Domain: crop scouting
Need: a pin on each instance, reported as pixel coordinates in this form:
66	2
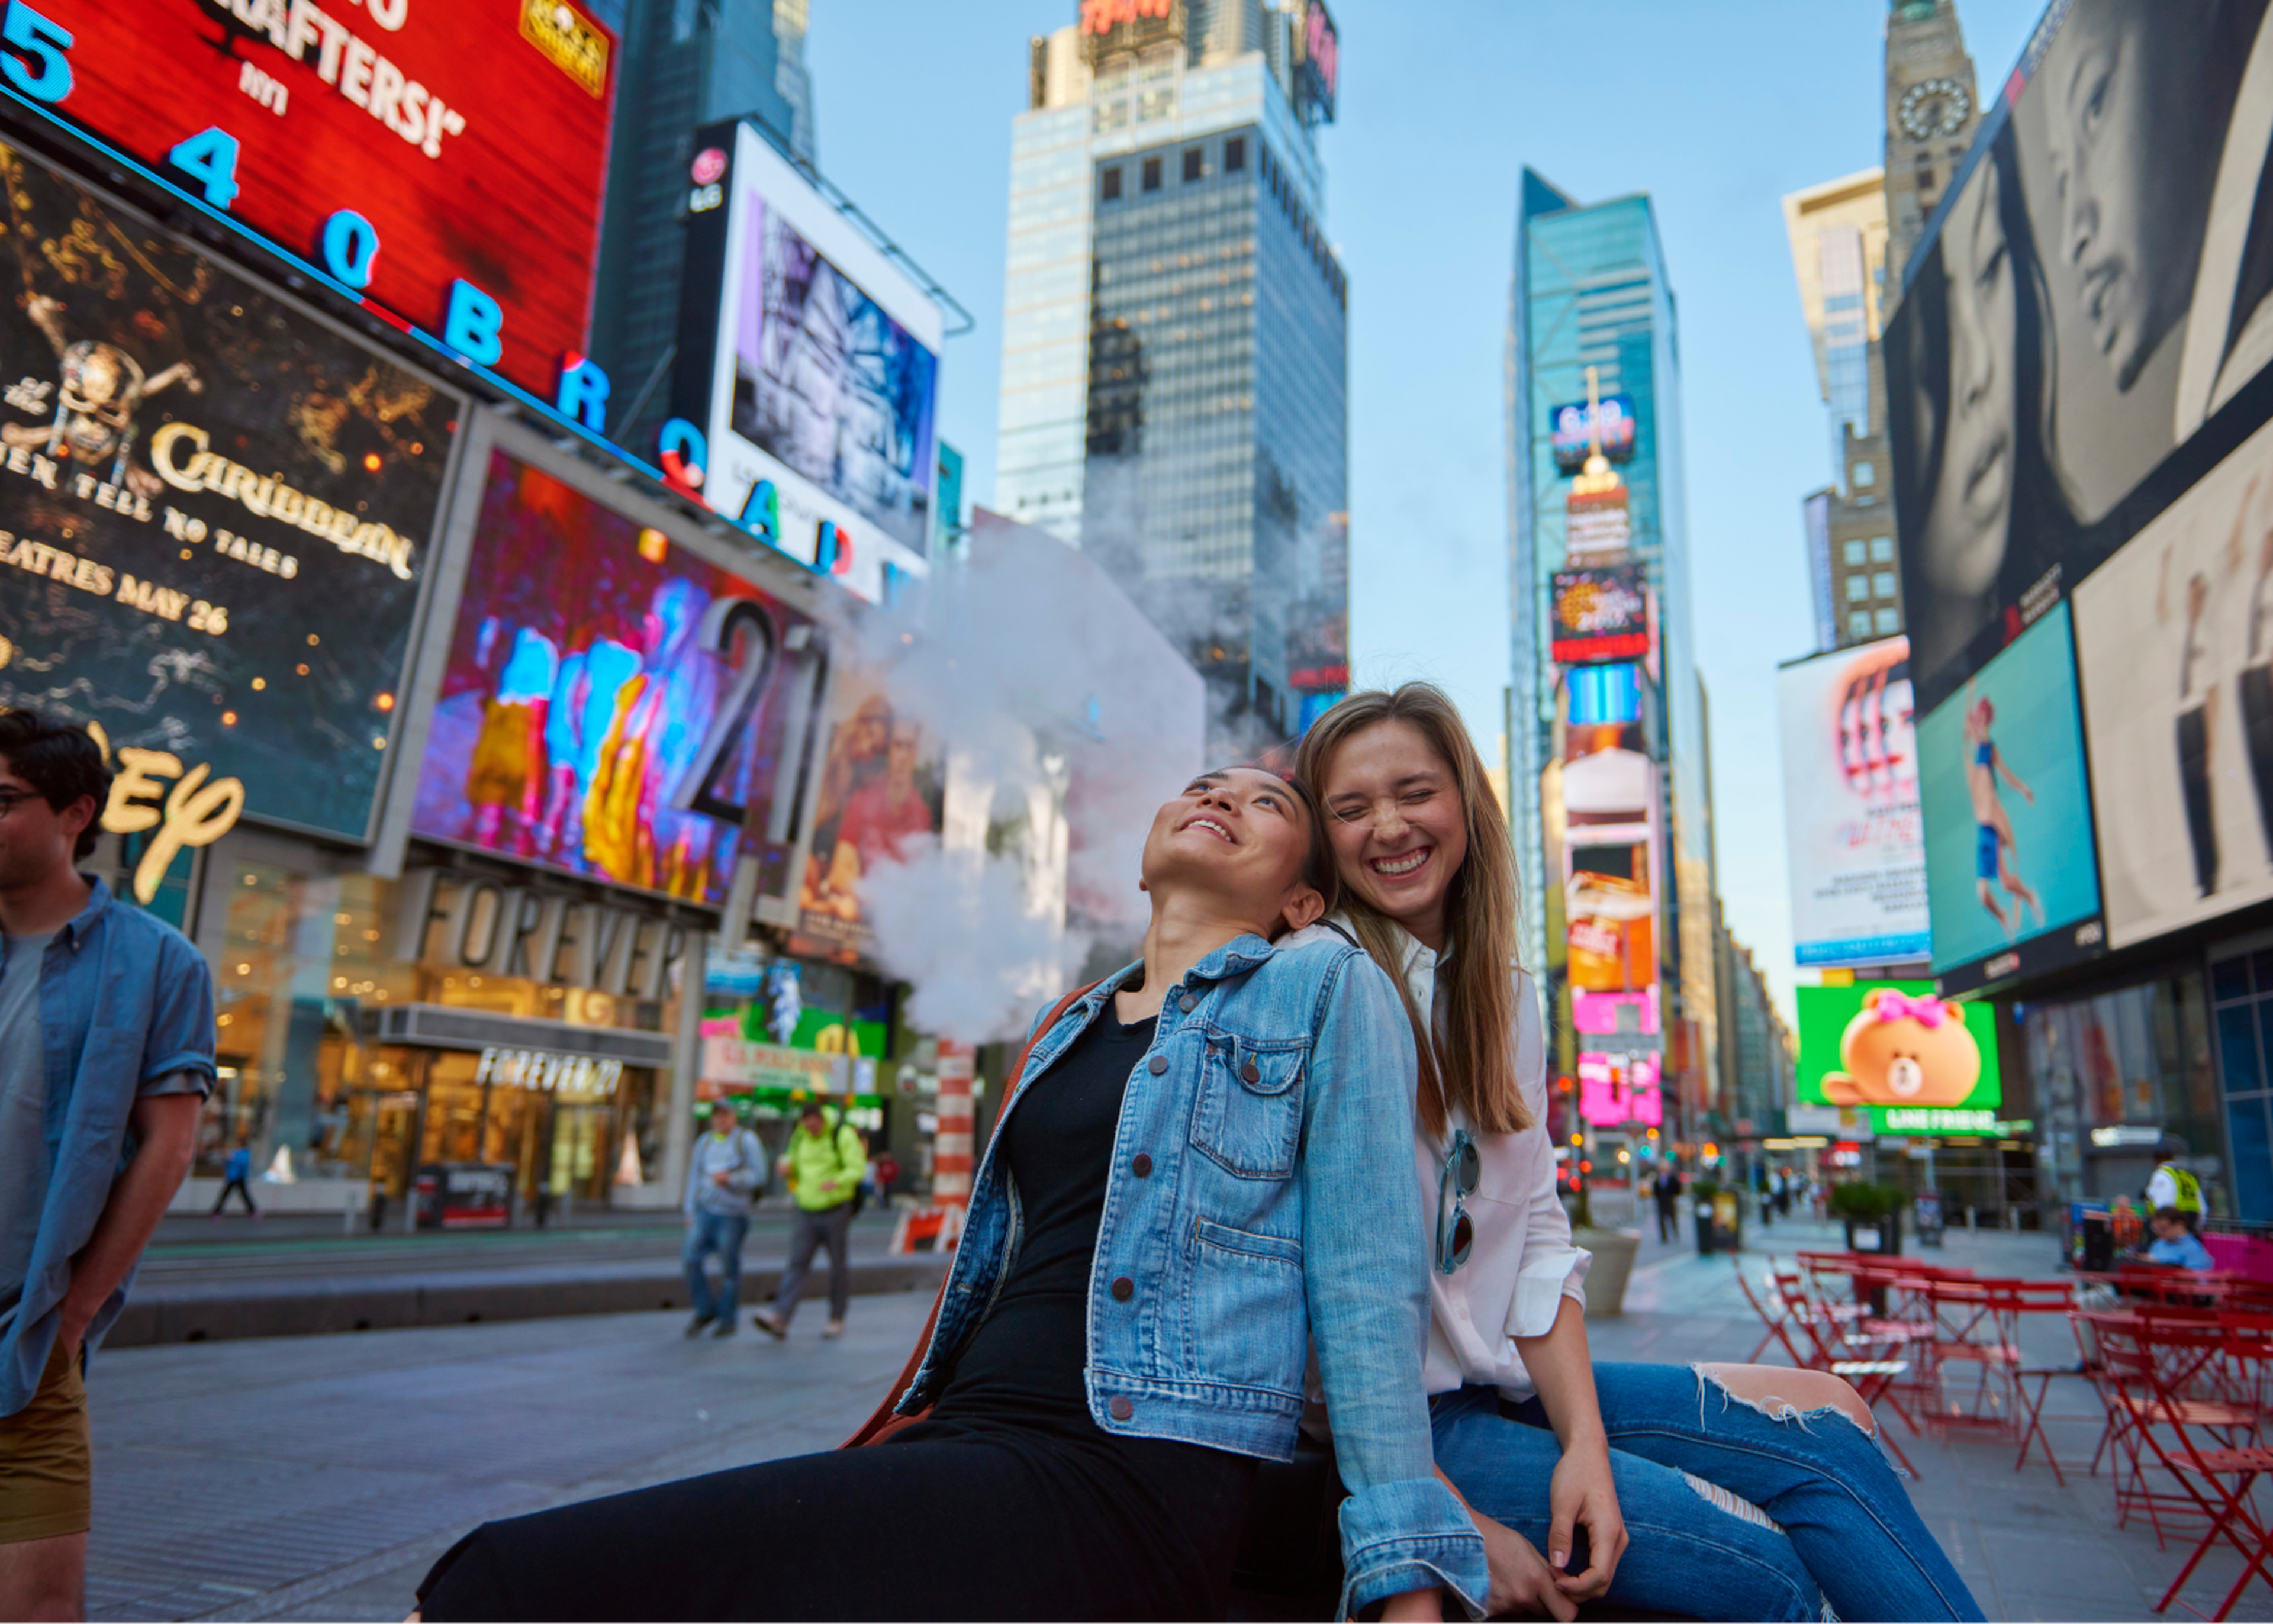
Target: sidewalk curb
228	1310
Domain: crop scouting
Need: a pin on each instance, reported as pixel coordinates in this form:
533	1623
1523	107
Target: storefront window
307	1083
2241	999
2123	1079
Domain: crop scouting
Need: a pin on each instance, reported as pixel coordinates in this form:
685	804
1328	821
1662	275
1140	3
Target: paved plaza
317	1477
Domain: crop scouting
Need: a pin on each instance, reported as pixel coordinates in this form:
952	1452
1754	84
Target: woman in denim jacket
1746	1492
1184	1192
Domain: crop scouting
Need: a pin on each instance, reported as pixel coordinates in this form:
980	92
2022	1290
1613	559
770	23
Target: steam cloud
1066	720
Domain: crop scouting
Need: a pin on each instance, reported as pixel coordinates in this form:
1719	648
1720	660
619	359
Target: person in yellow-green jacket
825	1167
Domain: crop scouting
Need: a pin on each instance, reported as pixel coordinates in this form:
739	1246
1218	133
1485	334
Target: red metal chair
1776	1308
1872	1379
2141	1355
2151	1365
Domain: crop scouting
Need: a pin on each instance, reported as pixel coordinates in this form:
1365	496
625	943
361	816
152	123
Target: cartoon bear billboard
1919	1064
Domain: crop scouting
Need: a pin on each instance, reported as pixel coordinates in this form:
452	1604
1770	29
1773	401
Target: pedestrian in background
234	1172
825	1168
1669	1203
888	1174
95	1136
728	1164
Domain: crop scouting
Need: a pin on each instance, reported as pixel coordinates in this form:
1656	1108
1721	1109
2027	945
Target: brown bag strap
882	1424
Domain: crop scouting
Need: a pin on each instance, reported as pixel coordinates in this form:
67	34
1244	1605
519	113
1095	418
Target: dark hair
60	760
1318	869
2174	1215
2040	509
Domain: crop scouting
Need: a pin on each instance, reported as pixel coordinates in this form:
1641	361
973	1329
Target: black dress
1007	1502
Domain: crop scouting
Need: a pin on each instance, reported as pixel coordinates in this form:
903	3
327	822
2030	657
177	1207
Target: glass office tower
1174	349
1592	316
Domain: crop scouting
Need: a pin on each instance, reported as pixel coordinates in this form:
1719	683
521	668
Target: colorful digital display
614	707
406	146
1857	842
214	513
2010	880
812	363
1615	1090
1601	616
1576	431
883	780
1609	862
1918	1063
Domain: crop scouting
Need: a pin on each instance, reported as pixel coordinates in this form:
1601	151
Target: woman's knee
1783	1394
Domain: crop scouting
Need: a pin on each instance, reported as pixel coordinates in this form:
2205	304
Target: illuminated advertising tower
1174	367
1613	839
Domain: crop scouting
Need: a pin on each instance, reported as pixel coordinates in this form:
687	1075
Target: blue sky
1715	110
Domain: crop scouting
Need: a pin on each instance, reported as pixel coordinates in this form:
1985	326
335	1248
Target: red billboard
404	146
1601	615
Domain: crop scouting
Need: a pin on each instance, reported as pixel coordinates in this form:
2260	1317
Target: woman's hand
1521	1581
1583	1496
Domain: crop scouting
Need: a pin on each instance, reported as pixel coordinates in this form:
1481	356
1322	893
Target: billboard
1615	1090
1601	615
2085	333
883	780
1575	430
1851	818
2010	880
1609	862
405	147
2174	635
1920	1064
214	513
810	364
612	706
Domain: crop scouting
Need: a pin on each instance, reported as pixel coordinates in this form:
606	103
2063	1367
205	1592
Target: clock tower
1932	109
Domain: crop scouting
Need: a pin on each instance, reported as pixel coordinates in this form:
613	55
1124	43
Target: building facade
1838	236
1174	359
686	63
1614	812
1933	110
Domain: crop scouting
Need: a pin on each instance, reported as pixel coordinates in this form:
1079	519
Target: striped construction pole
951	1142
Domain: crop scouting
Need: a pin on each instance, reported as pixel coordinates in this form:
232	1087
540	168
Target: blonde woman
1647	1462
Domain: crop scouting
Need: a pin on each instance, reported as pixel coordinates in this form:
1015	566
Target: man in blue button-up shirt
106	1051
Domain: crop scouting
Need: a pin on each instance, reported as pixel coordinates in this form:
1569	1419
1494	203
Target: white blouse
1522	1264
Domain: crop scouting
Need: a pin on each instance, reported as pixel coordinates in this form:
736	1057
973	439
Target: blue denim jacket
1260	1199
124	999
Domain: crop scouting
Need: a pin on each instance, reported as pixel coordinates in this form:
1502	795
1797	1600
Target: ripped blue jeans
1841	1518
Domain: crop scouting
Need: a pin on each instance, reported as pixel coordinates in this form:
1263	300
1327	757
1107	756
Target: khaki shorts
46	1467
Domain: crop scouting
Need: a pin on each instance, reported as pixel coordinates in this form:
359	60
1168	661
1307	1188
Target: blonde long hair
1475	1068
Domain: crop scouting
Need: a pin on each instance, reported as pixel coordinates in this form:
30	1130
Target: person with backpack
725	1168
826	1166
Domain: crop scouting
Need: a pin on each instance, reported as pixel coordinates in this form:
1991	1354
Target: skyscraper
1838	236
1606	752
1174	344
686	63
1850	240
1932	109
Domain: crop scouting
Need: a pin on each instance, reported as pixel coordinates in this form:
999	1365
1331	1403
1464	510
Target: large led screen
2077	343
614	707
215	510
2010	880
1919	1064
2175	638
1601	615
812	363
470	139
1851	795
